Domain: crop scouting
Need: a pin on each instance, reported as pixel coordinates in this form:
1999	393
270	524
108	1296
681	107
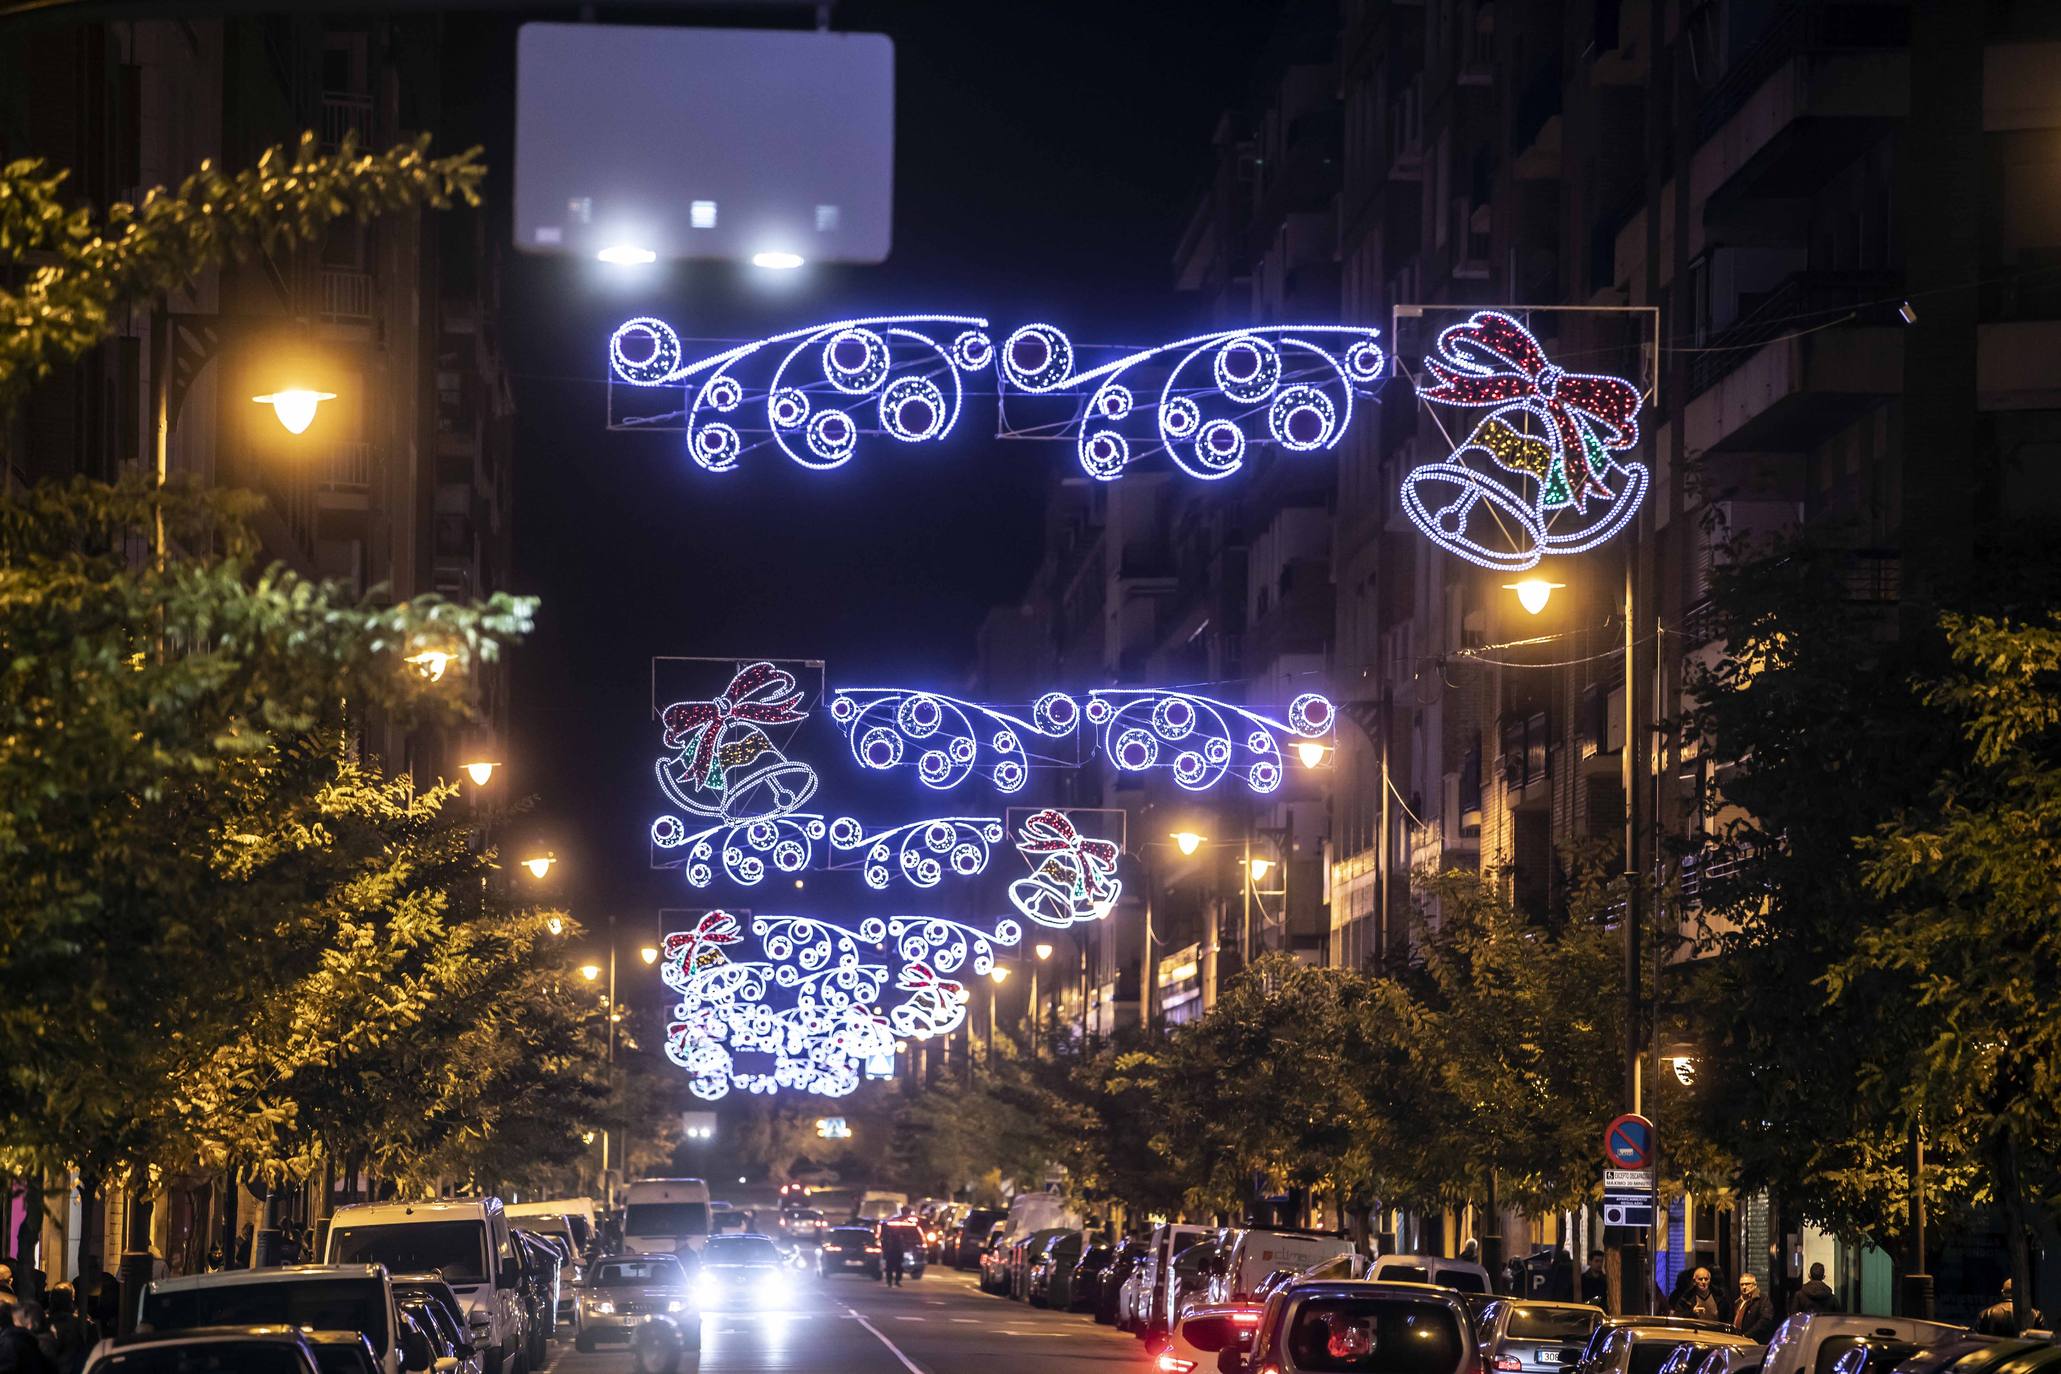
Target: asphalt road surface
939	1324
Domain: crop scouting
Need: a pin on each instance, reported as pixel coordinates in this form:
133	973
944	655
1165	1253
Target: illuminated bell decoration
724	763
1539	474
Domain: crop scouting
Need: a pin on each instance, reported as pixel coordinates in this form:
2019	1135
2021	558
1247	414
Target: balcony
1823	84
343	469
345	114
344	295
1796	369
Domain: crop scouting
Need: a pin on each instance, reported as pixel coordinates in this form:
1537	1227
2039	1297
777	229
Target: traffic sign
1627	1180
1628	1142
1627	1209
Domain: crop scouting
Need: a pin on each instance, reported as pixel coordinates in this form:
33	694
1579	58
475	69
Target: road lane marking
892	1348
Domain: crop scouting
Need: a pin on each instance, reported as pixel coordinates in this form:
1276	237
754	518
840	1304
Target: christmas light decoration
920	852
747	850
1073	878
935	1004
946	945
724	764
947	740
1292	385
1201	740
1538	475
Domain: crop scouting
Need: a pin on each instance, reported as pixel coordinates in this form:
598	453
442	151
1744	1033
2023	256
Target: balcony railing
342	114
344	466
345	294
1804	301
1805	28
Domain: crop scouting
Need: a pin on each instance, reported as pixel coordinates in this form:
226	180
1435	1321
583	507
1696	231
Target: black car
1129	1254
538	1283
1086	1289
963	1246
848	1248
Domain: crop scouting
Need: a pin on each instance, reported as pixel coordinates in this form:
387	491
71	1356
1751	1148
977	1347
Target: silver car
623	1292
1534	1337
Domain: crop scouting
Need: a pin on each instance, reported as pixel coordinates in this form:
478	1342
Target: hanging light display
813	393
1202	741
1540	473
1073	878
948	740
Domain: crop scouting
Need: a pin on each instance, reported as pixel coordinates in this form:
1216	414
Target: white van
1258	1253
1462	1276
464	1239
662	1216
1030	1212
579	1212
875	1205
1155	1296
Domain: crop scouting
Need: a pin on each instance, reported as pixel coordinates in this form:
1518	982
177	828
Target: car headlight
707	1291
676	1306
775	1288
605	1308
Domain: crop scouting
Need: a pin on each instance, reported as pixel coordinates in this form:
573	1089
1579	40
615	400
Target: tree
1973	925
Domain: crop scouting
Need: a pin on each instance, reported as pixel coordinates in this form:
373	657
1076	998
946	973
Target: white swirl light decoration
1291	385
945	739
808	391
1199	739
747	851
948	946
921	852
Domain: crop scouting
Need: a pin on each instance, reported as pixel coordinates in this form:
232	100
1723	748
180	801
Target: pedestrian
1753	1316
1596	1282
214	1263
891	1255
76	1336
6	1281
2000	1318
19	1352
1560	1277
1816	1295
243	1245
1471	1251
1696	1299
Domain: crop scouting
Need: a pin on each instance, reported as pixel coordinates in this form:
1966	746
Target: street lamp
649	954
999	974
590	971
1259	868
295	406
1187	841
1311	752
1043	949
431	663
539	864
555	924
1533	592
479	770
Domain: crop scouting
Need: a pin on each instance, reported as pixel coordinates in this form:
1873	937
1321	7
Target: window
335	1357
638	1273
1335	1335
665	1219
1649	1356
319	1304
740	1250
1564	1324
456	1249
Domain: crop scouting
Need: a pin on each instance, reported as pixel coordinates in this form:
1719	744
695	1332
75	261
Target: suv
963	1243
1811	1342
467	1240
323	1297
1328	1326
269	1349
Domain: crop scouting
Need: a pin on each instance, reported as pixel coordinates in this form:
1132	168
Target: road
939	1324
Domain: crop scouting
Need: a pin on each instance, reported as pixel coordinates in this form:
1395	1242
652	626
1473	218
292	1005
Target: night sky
1048	156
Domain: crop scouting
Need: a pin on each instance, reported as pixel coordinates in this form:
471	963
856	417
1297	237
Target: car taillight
1174	1364
1246	1318
1508	1363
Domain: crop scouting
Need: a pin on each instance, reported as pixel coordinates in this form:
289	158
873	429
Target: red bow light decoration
1493	362
715	736
698	948
1080	870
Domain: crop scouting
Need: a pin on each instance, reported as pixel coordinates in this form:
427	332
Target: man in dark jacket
1755	1317
893	1249
1596	1282
1697	1300
19	1352
2001	1319
1816	1295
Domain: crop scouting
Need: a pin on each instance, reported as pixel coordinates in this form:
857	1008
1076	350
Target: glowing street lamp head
590	971
1043	949
295	406
586	1137
999	974
431	663
539	864
479	771
1187	841
1533	592
776	260
1260	868
555	924
1311	752
649	954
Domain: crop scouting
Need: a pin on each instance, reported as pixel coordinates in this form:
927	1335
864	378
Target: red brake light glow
1246	1318
1173	1364
1508	1363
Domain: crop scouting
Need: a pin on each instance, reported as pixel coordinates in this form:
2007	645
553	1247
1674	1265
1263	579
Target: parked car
994	1260
1051	1279
1462	1276
1732	1359
1872	1355
848	1248
1966	1353
625	1291
422	1347
1193	1269
1344	1324
966	1240
1811	1342
742	1273
1692	1354
1641	1345
444	1330
1123	1263
1151	1316
1022	1254
322	1297
229	1349
579	1214
539	1284
1519	1337
1231	1327
432	1289
1084	1290
466	1240
1259	1251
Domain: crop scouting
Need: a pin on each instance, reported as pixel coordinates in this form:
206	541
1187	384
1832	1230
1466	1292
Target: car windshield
1336	1335
655	1271
1566	1325
740	1250
335	1357
206	1357
665	1219
457	1249
341	1304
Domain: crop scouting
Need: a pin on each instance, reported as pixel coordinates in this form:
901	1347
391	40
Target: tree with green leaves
1972	926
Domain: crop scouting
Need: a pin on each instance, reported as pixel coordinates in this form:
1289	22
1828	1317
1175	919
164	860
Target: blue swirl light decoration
948	740
920	853
1200	740
747	851
949	946
1291	385
813	393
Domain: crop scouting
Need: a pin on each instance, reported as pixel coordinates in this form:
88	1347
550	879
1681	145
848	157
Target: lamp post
591	972
1043	949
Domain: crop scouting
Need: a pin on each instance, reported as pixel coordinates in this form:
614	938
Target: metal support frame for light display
812	394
